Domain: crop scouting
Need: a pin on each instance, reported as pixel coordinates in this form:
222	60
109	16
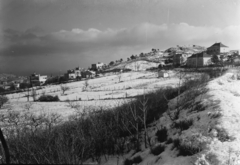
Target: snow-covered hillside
108	91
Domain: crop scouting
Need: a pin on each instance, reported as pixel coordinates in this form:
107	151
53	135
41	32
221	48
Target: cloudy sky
51	36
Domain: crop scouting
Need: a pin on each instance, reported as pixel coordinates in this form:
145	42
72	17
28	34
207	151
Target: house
70	74
232	52
163	74
217	48
199	60
180	59
37	79
73	74
88	74
98	66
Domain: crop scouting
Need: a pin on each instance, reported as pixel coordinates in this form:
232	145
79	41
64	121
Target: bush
188	147
183	124
158	149
92	134
3	100
223	135
48	98
162	134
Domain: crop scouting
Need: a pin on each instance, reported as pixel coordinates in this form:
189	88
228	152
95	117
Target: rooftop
219	44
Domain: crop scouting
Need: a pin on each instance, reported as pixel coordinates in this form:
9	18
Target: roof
219	44
202	54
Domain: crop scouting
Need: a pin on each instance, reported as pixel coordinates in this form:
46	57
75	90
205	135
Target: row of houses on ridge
79	73
204	58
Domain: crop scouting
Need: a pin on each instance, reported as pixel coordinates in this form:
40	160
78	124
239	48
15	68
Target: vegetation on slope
93	133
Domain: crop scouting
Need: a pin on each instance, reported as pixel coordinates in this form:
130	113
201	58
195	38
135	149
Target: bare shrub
183	124
28	106
85	85
189	146
73	104
64	88
119	76
34	94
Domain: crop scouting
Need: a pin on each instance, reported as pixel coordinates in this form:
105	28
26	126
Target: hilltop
152	59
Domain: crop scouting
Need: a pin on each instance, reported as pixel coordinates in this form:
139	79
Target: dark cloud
68	46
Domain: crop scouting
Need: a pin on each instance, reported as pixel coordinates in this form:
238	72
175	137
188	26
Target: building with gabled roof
74	73
88	74
217	48
199	60
37	79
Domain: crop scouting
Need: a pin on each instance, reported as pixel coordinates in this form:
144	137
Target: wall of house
78	73
195	62
213	50
224	49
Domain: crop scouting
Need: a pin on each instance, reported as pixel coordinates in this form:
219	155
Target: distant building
74	73
98	66
180	59
88	74
217	48
163	74
199	60
37	79
232	52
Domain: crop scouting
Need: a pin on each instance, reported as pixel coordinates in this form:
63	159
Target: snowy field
103	92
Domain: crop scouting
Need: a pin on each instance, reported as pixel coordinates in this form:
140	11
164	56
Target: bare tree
119	76
34	94
137	66
85	85
143	119
174	115
64	88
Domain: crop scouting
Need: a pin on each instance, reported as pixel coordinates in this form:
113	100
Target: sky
52	36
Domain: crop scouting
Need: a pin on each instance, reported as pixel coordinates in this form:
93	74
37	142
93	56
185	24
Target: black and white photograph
120	82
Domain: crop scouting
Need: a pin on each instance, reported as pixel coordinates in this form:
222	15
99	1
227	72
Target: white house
74	73
97	66
37	79
163	74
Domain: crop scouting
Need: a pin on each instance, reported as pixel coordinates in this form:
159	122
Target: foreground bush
94	134
162	134
48	98
188	147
